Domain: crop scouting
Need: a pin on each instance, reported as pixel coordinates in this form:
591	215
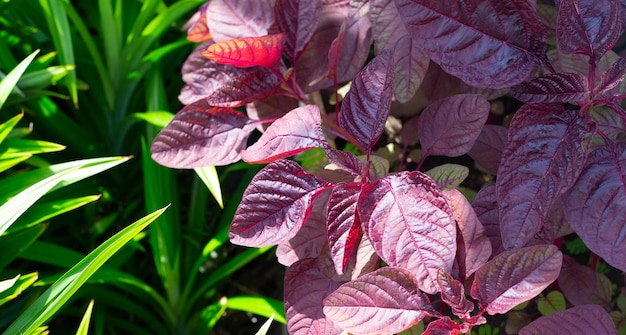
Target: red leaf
228	19
613	76
486	207
577	282
542	160
596	206
305	289
553	88
366	106
586	319
275	205
448	176
443	326
410	225
515	276
343	224
386	301
453	294
487	150
201	135
274	107
298	20
197	29
589	27
387	26
255	83
474	248
489	43
295	132
247	51
411	63
450	126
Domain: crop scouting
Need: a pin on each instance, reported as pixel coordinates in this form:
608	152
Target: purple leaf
343	224
486	207
228	19
596	206
411	63
487	150
201	135
589	27
386	301
448	176
613	76
577	282
449	127
443	326
255	83
298	19
474	248
275	205
387	26
295	132
543	158
585	319
273	107
553	88
453	294
409	223
515	276
305	288
490	43
366	107
345	161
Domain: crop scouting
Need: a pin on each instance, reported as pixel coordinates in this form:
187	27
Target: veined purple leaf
305	289
366	107
410	225
343	224
228	19
577	282
437	85
515	276
613	76
295	132
486	208
489	43
589	27
387	26
453	294
449	127
298	19
275	205
411	63
443	326
609	122
310	239
256	83
553	88
585	319
544	156
345	161
474	248
366	259
596	206
386	301
448	176
487	150
201	135
273	107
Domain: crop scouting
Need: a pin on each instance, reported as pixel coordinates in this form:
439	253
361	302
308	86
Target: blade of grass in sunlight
57	294
83	328
8	83
13	244
262	306
209	177
266	326
17	285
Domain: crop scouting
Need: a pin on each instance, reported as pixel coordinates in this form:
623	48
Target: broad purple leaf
553	88
585	319
613	76
442	326
343	224
448	176
201	135
298	19
387	26
386	301
366	259
409	223
366	107
486	208
596	206
411	63
275	205
489	43
515	276
273	107
589	27
474	248
228	19
305	289
453	294
610	123
437	85
487	150
295	132
256	83
542	160
345	161
310	239
577	282
313	64
408	133
449	127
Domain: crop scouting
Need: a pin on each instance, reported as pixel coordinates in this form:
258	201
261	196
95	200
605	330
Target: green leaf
8	83
210	315
156	118
552	303
209	177
11	145
262	306
7	127
266	326
43	212
44	78
16	286
448	176
83	328
9	160
13	244
56	296
52	254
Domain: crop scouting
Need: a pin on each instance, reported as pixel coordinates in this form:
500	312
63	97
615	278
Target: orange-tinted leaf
248	51
197	28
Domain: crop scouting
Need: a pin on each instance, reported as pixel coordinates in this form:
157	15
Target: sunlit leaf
247	51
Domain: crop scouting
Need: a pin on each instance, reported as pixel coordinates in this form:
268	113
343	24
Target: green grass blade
158	119
266	326
18	145
16	286
56	296
210	315
13	244
262	306
44	78
9	160
83	328
52	254
10	81
209	177
46	211
111	29
7	127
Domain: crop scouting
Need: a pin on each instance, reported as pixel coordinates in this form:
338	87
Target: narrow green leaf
83	328
17	145
52	254
9	160
56	296
17	285
13	244
8	83
209	176
262	306
111	30
7	127
156	118
44	78
43	212
210	315
266	326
